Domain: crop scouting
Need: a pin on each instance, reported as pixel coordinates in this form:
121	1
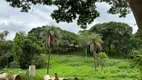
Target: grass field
78	66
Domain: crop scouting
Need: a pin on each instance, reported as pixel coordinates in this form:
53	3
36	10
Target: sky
13	20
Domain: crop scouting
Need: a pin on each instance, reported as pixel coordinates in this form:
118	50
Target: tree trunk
109	47
102	66
86	53
95	62
136	7
48	64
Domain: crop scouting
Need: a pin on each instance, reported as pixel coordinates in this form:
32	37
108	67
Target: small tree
94	40
101	59
3	35
25	48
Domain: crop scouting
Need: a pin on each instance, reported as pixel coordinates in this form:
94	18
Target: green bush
102	55
38	61
5	60
101	59
14	64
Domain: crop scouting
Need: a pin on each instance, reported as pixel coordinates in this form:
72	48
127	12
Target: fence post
32	69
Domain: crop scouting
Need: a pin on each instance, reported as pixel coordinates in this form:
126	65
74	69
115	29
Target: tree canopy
25	48
115	35
83	10
63	38
68	10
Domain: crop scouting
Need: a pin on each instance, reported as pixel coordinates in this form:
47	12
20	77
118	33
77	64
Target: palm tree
94	40
51	37
3	35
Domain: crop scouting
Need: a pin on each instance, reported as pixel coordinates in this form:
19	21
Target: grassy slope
77	66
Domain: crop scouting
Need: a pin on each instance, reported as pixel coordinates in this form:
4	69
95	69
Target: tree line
113	38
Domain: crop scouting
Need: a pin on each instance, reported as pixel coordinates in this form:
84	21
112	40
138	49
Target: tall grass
70	66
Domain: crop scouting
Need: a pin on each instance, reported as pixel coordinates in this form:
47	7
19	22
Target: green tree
25	49
136	41
101	58
94	41
83	40
5	47
84	10
66	38
6	56
51	37
137	62
3	35
116	36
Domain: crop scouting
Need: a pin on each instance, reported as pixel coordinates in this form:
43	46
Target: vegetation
25	48
84	10
116	37
70	66
112	39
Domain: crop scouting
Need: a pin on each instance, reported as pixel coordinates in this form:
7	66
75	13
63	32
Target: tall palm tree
94	40
3	35
51	37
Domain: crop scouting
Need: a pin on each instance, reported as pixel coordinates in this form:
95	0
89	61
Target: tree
84	10
51	37
94	41
3	35
83	40
25	49
66	38
116	36
137	62
136	41
6	56
5	47
101	58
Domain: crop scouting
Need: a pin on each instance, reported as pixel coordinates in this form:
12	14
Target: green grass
78	66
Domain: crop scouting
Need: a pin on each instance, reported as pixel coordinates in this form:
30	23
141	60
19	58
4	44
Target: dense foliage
68	10
25	49
65	41
116	37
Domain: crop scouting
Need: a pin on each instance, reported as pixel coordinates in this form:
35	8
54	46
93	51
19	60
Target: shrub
101	58
102	55
137	62
5	60
14	64
38	61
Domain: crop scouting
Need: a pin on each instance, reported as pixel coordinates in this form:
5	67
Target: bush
5	60
14	64
102	55
101	58
134	53
38	61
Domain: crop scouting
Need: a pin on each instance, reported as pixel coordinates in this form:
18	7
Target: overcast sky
13	20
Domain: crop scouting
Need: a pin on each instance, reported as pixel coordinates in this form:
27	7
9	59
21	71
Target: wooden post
32	71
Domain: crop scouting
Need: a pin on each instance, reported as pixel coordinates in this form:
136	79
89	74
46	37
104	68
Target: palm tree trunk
95	56
48	64
136	7
86	53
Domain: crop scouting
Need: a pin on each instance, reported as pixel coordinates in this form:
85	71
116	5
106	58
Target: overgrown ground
78	66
